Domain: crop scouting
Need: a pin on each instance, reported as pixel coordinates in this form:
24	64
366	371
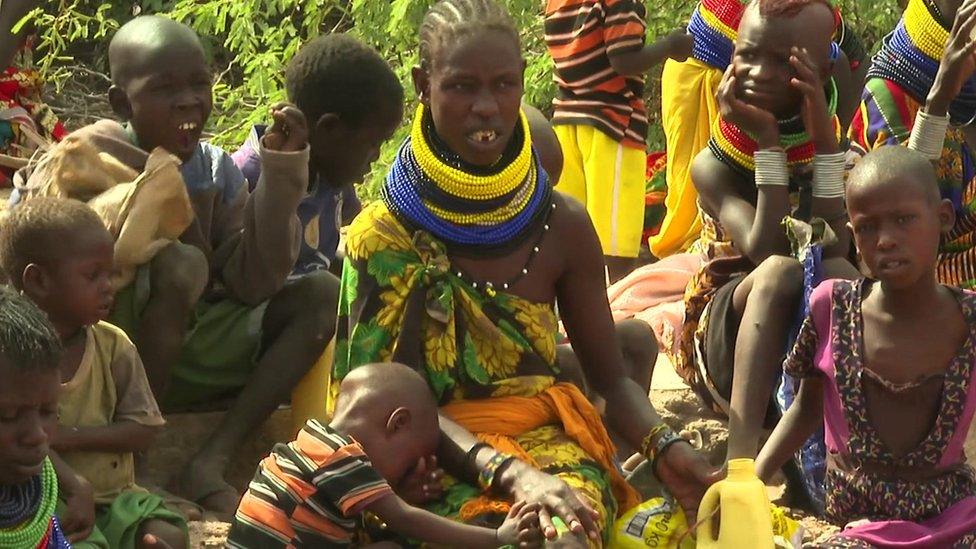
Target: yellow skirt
688	106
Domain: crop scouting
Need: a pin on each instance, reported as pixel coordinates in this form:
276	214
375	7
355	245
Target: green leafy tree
251	41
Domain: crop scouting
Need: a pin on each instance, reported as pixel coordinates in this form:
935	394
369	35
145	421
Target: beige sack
143	212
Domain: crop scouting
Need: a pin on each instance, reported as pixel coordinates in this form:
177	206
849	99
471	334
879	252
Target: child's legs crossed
638	347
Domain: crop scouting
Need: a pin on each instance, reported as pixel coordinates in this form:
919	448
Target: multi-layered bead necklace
910	55
483	209
736	148
714	25
26	512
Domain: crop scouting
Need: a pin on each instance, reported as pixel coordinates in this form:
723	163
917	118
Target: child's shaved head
390	410
770	33
161	84
887	164
136	43
385	387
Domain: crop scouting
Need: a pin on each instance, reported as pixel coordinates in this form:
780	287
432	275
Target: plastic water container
743	507
308	398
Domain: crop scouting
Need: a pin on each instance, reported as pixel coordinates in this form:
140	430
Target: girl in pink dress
888	363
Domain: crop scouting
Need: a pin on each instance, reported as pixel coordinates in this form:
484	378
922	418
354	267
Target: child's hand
422	483
817	121
958	62
289	132
78	517
521	527
754	120
680	44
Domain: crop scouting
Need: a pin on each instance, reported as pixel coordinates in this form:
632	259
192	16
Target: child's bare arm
122	436
422	525
755	228
799	422
676	45
827	205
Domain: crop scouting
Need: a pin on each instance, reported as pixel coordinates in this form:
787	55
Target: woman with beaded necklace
456	273
921	92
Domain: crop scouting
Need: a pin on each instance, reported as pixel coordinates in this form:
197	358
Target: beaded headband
431	188
909	57
736	148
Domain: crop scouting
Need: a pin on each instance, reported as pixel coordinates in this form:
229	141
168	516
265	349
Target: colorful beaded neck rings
26	510
487	208
910	55
736	148
714	25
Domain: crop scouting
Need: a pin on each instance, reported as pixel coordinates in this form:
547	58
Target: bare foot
150	540
202	482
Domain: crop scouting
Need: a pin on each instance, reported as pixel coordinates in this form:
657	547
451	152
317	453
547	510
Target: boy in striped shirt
310	492
600	118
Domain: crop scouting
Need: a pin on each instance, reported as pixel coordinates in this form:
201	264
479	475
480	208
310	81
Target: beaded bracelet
928	134
663	444
771	168
828	175
469	457
486	478
648	442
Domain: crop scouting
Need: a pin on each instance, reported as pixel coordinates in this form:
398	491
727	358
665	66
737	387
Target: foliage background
250	42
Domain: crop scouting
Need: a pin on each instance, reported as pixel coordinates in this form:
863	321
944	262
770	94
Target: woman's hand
555	499
422	483
749	118
687	474
816	118
957	64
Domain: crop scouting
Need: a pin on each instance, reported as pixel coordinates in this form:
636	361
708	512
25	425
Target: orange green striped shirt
580	34
308	493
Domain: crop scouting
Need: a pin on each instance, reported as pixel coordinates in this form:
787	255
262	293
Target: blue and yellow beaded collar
431	188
